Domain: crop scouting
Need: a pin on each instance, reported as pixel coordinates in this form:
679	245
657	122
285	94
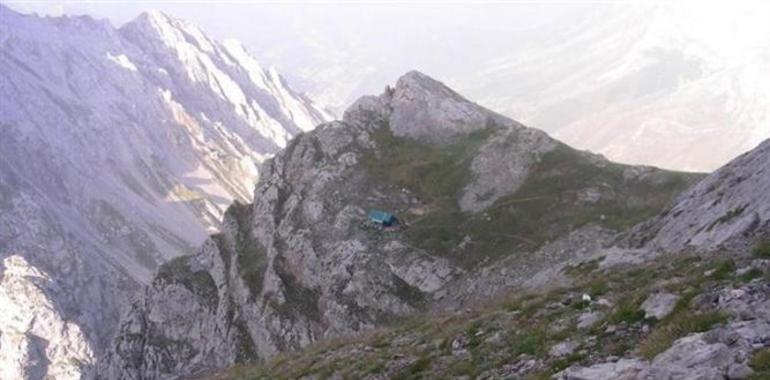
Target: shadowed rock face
301	264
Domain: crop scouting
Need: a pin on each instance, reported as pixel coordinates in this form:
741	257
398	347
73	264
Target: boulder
589	319
659	305
623	369
692	357
563	349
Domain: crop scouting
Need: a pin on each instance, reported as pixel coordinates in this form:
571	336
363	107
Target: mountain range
169	209
120	148
513	255
483	204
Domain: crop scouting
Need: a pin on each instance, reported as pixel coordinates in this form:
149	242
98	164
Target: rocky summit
481	205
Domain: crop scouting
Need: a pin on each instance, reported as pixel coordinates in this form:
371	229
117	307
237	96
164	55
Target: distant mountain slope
303	263
681	85
119	150
677	84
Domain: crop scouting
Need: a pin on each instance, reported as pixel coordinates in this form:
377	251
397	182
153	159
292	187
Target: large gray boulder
623	369
659	305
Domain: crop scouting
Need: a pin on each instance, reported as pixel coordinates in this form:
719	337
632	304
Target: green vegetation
760	363
724	270
414	370
597	287
761	360
627	311
675	327
480	341
198	282
436	173
751	274
530	341
762	249
486	340
250	254
548	205
728	216
300	300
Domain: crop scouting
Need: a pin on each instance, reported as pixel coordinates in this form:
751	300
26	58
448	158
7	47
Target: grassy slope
544	208
523	327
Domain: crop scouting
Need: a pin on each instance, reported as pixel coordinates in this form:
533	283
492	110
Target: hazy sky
640	71
270	29
381	37
241	18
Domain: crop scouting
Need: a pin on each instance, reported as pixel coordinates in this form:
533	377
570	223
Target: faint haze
341	50
677	84
383	38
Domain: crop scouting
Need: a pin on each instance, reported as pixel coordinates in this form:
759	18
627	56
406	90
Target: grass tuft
762	249
627	311
724	270
675	327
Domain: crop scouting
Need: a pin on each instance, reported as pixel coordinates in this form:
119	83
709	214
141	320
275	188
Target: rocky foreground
676	317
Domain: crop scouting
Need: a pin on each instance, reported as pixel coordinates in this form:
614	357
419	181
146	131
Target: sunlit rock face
120	148
35	341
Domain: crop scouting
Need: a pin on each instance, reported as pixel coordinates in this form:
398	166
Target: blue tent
382	217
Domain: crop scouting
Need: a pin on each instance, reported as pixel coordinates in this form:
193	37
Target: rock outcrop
302	263
36	342
729	207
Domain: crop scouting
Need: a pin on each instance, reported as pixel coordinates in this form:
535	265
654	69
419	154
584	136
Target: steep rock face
120	149
730	206
290	268
302	262
424	108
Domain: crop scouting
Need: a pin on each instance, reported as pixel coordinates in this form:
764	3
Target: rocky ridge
302	264
120	148
663	309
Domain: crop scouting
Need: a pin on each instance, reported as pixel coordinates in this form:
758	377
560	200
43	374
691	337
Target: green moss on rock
199	282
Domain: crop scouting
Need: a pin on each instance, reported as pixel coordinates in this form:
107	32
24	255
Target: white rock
563	349
659	305
623	369
619	257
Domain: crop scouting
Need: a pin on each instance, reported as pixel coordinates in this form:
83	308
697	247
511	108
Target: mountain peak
415	79
169	30
152	17
425	108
